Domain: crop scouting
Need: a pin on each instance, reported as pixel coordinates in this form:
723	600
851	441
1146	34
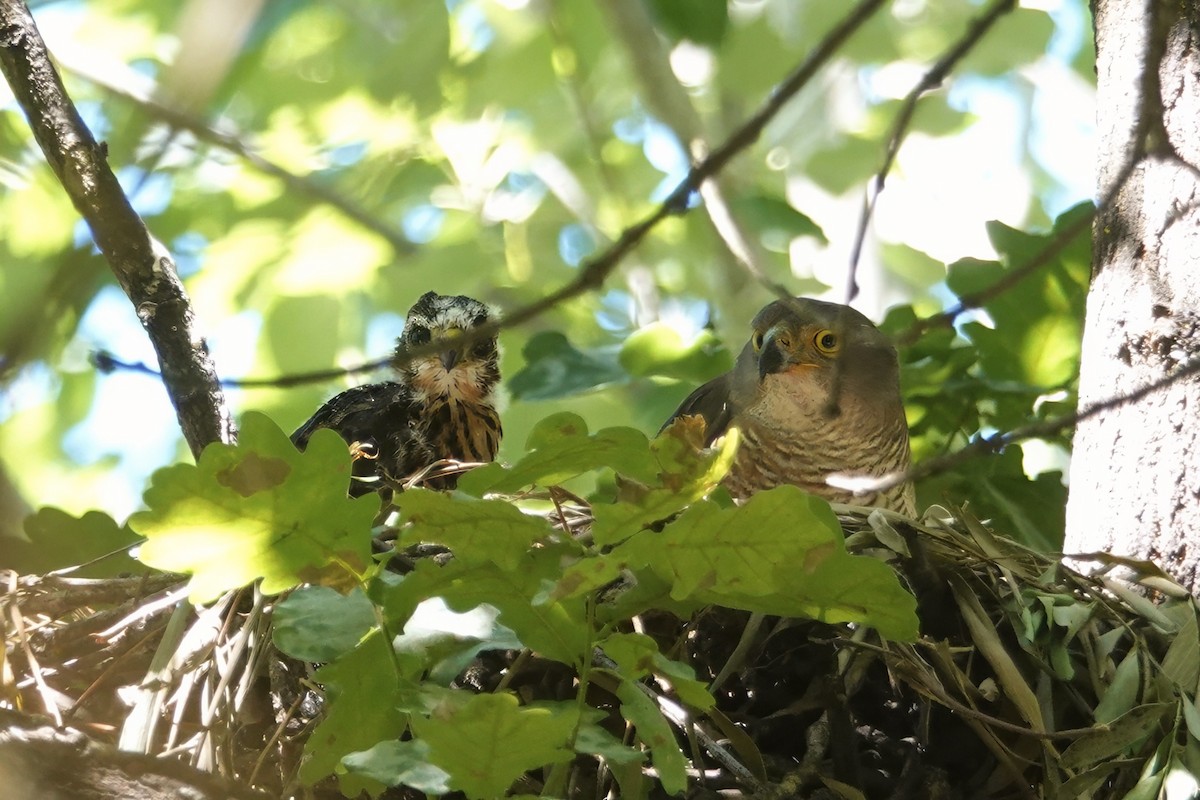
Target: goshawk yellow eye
826	341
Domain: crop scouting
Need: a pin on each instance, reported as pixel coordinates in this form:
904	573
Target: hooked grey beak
770	358
449	358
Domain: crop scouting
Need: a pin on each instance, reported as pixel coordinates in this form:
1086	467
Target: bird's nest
1029	680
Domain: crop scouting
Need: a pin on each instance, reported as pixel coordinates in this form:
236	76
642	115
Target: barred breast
769	457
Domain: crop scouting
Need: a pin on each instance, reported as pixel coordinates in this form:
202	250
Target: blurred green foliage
497	144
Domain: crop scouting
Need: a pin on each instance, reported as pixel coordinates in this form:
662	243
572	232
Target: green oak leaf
701	21
776	220
490	740
655	732
556	368
1021	36
559	448
686	472
649	591
315	623
658	349
258	509
362	693
554	628
739	549
56	540
683	680
637	655
396	763
840	588
782	552
478	531
595	740
587	575
1036	330
633	652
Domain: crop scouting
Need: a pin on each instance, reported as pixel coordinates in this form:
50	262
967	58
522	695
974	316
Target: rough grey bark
143	267
40	761
1135	474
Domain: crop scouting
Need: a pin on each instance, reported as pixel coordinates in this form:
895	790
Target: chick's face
465	372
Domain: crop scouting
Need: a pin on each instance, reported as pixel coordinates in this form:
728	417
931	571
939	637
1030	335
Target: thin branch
298	184
1036	430
106	362
595	270
1057	244
49	701
930	80
667	100
141	264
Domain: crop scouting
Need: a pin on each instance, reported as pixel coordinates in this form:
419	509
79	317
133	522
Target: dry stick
107	362
930	80
58	594
297	184
594	271
899	131
988	444
1019	273
141	264
49	701
276	735
572	195
1147	129
666	98
118	664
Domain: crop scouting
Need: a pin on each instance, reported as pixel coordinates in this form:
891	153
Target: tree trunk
1135	474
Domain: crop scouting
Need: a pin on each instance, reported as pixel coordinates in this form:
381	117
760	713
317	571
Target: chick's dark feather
380	421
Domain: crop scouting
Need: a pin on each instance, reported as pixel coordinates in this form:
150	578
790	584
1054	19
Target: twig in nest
56	595
49	699
737	658
680	717
118	662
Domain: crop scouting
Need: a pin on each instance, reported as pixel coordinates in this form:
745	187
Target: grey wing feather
710	401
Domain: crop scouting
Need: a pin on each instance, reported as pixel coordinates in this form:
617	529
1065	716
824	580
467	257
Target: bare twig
1057	244
296	184
118	666
49	701
930	80
996	442
141	264
107	362
54	595
667	100
594	271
